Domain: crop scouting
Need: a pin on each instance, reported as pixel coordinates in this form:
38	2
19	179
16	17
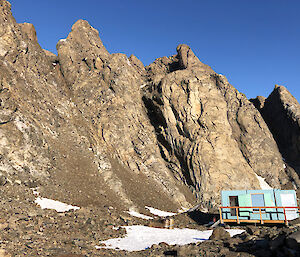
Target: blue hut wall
272	197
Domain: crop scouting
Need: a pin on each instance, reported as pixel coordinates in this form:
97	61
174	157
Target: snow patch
139	215
46	203
141	237
128	62
263	184
159	212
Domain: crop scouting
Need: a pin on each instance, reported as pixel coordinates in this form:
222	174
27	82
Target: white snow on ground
139	215
159	212
46	203
263	184
141	237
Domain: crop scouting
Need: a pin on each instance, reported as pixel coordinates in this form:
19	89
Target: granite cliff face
281	111
95	128
212	136
66	126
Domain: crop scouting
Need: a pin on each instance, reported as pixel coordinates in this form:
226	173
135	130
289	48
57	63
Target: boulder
293	240
219	233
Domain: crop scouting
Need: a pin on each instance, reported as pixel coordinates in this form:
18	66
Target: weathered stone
137	64
258	102
29	30
281	112
3	253
112	100
295	222
253	230
219	233
293	240
277	242
208	132
188	60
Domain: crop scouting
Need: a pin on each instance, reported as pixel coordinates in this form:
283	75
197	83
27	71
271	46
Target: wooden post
261	220
171	223
221	218
237	215
285	220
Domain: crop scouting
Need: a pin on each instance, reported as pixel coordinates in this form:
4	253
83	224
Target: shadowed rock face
101	129
281	112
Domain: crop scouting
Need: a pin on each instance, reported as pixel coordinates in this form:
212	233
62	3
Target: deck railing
253	210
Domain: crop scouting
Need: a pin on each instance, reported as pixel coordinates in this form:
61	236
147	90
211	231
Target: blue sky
254	43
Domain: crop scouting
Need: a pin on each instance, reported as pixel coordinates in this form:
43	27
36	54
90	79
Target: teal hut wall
272	197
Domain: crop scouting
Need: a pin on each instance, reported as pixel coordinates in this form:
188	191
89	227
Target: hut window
258	201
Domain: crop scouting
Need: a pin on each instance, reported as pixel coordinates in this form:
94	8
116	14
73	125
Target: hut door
233	201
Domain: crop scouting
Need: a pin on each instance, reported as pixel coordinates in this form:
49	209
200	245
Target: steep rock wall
107	89
281	111
211	135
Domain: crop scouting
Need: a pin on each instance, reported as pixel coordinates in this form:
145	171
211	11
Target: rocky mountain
101	131
175	131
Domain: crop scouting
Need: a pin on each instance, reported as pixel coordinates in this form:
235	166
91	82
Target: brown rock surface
88	117
209	133
29	30
103	132
281	112
110	98
51	140
44	139
219	233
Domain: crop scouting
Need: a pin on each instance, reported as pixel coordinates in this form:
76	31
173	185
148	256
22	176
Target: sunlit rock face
101	129
107	90
212	135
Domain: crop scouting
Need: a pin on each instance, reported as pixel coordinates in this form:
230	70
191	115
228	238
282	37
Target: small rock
219	233
277	242
3	180
253	230
293	240
163	244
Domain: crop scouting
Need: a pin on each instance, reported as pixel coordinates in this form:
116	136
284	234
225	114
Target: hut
258	206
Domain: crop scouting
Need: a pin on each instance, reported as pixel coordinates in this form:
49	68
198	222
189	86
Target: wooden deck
239	219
